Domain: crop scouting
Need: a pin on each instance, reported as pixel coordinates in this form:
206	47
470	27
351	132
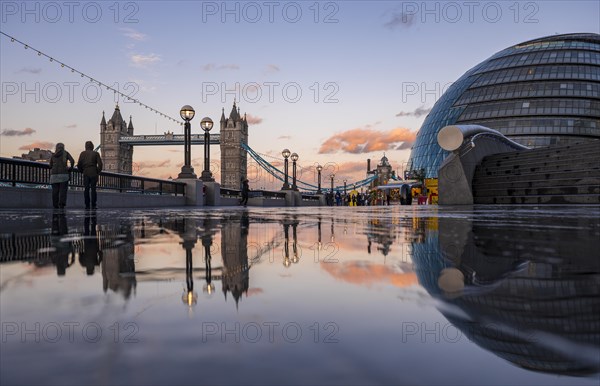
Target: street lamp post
319	168
345	186
206	125
286	154
332	177
187	114
294	158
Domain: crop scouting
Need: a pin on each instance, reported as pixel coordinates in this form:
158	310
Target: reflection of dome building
541	316
538	93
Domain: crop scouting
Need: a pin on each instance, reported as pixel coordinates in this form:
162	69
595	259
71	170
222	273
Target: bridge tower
234	163
117	157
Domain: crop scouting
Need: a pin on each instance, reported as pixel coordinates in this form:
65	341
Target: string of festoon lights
91	79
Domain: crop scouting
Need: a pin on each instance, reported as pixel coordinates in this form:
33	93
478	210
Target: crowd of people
355	198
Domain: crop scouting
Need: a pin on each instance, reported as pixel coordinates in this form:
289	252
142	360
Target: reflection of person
245	192
62	251
90	164
92	255
59	175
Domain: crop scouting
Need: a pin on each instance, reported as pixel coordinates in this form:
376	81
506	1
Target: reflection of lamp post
319	168
345	180
209	287
294	158
320	245
187	114
190	297
286	154
206	125
286	233
332	232
295	258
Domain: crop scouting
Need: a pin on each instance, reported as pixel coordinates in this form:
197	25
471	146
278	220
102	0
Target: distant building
383	172
37	154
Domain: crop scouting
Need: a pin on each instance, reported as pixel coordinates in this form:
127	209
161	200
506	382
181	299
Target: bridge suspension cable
275	172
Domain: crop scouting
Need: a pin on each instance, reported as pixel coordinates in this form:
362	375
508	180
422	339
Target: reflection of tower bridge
118	140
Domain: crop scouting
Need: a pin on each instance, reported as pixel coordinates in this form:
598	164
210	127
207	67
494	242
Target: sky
337	82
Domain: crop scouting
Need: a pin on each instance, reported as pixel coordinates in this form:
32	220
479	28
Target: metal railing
230	193
37	174
268	194
310	197
234	193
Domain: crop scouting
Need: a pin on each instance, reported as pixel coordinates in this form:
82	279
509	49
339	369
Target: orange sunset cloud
362	140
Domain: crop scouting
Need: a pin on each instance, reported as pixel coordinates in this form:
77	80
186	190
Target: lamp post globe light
207	125
286	154
319	169
187	114
294	158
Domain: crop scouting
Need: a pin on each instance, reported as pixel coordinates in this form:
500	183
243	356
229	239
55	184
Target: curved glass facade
539	93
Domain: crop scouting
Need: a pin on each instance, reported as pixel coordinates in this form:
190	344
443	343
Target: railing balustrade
37	174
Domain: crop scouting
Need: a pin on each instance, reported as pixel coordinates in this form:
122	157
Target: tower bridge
117	142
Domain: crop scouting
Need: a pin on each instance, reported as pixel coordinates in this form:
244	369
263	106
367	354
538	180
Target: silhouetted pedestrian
59	175
90	164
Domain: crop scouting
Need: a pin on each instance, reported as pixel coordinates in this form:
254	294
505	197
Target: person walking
90	165
59	175
245	192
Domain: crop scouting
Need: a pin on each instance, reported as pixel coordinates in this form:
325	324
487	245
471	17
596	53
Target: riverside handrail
17	171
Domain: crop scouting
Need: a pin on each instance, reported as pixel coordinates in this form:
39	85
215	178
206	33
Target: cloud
72	126
272	68
29	70
418	112
154	164
351	167
18	133
253	120
284	137
133	34
400	19
215	67
41	145
138	60
362	140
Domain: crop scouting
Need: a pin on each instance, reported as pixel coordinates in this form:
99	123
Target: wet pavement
364	295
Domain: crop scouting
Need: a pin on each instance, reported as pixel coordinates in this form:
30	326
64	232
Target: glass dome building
539	93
